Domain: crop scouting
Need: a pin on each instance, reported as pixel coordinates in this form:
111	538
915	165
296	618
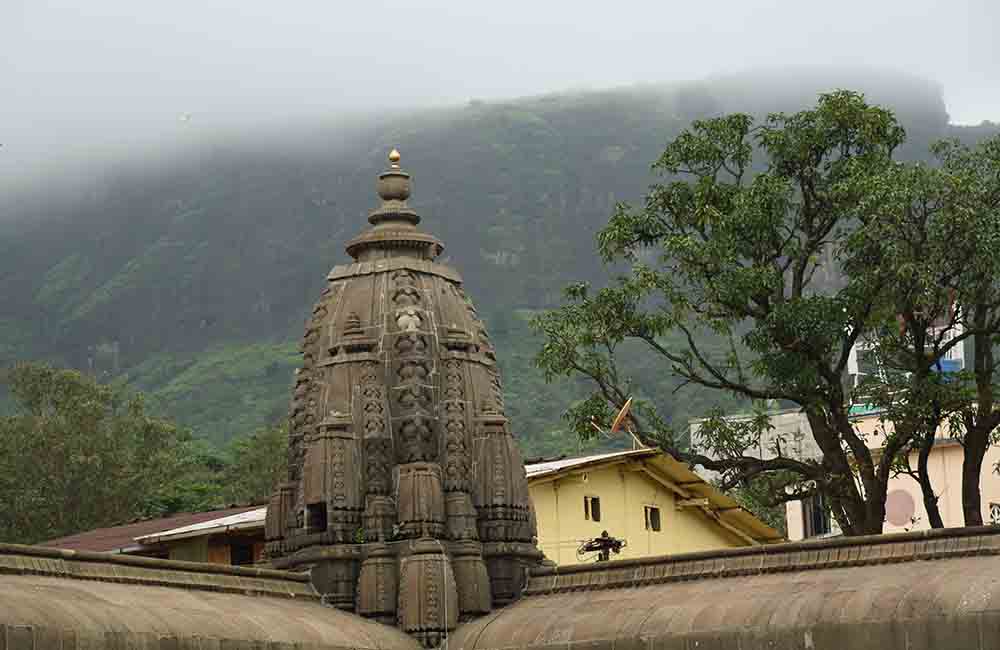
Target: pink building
904	503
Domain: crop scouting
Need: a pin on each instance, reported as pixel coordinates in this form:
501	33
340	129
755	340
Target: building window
241	554
815	516
316	517
652	518
995	514
955	355
592	508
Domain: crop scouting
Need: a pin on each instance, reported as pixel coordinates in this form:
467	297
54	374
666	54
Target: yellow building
653	502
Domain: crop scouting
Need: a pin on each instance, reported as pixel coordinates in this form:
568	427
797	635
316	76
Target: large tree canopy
79	455
933	247
746	244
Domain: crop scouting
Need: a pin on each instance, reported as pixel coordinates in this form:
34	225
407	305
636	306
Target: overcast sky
76	74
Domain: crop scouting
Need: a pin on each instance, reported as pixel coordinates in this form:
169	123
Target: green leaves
258	463
720	253
80	455
709	148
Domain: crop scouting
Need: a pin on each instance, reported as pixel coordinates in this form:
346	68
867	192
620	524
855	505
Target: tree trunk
926	489
860	512
979	424
976	443
876	511
854	488
858	517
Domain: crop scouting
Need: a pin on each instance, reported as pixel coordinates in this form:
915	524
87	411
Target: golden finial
394	159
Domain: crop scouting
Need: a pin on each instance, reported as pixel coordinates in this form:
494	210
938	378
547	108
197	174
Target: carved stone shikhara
406	494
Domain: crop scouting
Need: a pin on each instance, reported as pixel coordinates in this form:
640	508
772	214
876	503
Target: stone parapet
52	599
924	590
16	559
776	558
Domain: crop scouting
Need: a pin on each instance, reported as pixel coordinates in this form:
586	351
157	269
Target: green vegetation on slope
192	278
224	391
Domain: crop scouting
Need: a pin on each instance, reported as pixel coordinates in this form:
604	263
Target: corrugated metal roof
240	521
540	469
121	539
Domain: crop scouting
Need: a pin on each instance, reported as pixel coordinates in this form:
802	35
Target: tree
933	249
916	249
978	293
257	463
79	455
744	259
756	495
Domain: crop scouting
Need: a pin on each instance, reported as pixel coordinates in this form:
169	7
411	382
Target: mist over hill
189	274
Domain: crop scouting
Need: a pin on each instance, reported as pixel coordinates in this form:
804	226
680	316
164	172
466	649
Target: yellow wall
215	550
190	550
623	493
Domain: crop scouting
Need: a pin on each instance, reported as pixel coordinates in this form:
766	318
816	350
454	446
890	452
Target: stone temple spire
406	494
394	230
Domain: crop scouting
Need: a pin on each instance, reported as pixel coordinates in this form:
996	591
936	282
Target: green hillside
191	278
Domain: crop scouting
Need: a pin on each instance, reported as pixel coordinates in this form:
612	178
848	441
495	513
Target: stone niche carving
455	428
408	320
332	480
500	491
471	578
280	512
420	501
406	495
336	578
378	585
428	595
462	516
417	438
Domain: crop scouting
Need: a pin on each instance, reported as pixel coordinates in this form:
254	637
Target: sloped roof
248	519
673	475
121	539
536	470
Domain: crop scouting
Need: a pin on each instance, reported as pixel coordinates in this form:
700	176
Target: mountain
191	276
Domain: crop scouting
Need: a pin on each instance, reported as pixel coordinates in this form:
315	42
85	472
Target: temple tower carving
406	494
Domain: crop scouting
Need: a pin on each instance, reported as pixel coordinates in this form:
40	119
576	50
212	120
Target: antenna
603	546
622	418
622	413
597	427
